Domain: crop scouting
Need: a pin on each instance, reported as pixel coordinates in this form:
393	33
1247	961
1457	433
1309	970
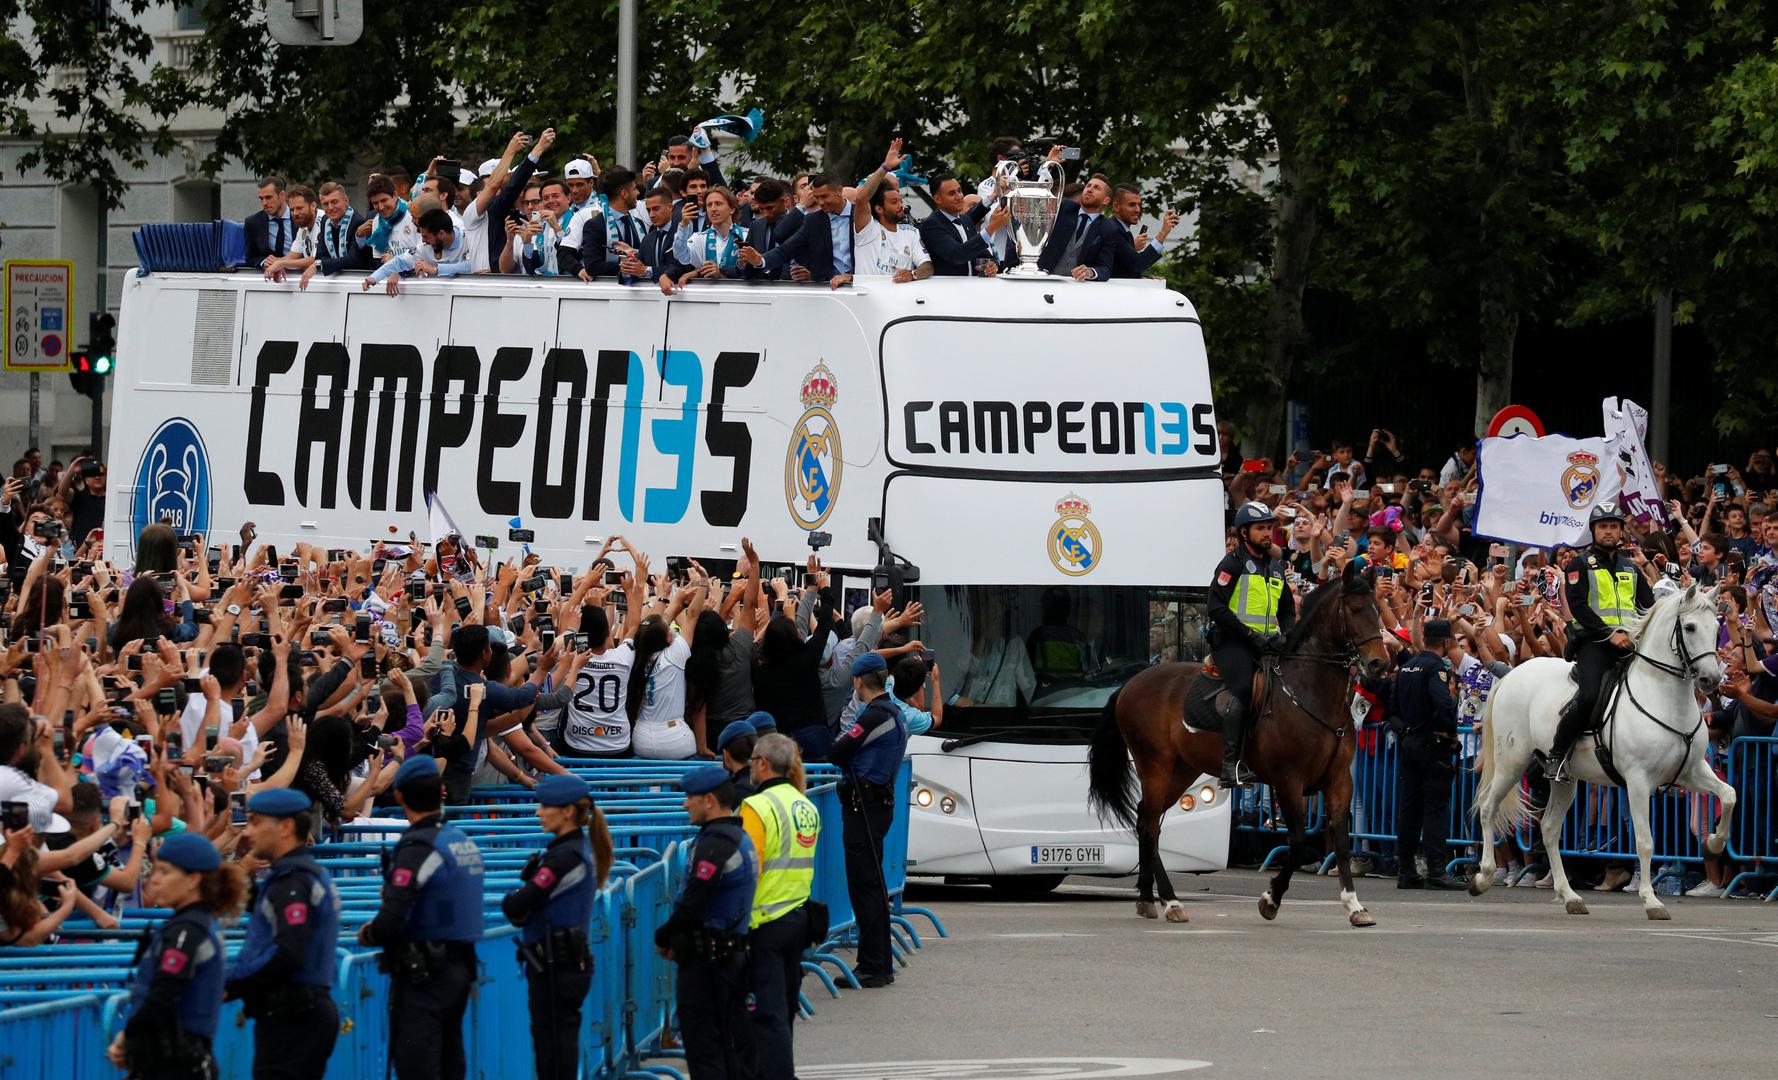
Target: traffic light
88	368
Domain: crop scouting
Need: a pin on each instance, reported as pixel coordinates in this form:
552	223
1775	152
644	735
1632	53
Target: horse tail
1512	812
1111	791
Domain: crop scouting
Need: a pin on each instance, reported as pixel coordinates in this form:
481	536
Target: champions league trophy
1033	204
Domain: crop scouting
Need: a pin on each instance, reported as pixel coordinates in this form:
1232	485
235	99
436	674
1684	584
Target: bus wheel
1025	886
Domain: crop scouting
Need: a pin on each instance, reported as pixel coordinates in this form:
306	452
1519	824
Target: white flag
443	528
1538	491
1626	425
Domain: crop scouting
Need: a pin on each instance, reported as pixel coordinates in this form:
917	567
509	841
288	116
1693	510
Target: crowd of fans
680	219
154	697
1410	519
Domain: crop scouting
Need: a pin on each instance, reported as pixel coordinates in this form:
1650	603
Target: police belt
707	946
288	999
169	1050
858	790
567	947
416	961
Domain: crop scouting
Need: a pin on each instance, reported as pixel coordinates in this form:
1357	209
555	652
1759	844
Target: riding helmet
1605	511
1253	513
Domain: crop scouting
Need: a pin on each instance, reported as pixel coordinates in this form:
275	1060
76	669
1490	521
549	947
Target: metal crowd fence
61	1004
1597	824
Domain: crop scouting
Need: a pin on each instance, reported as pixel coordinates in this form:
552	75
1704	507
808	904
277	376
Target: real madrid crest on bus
1074	541
1580	481
812	465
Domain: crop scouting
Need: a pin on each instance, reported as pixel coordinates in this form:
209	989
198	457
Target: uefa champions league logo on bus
173	481
812	465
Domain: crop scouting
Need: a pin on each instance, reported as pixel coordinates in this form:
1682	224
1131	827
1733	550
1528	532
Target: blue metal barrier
1752	770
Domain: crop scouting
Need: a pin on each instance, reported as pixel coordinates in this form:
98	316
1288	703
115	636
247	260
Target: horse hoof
1363	918
1176	913
1577	906
1479	884
1268	908
1145	909
1659	914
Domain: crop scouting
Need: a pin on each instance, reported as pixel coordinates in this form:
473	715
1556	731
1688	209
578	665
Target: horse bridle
1347	659
1688	670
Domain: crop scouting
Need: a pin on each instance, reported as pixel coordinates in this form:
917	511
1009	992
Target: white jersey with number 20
596	722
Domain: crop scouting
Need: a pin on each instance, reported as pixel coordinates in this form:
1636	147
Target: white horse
1655	732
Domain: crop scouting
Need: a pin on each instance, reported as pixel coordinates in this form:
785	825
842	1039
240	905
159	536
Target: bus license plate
1067	855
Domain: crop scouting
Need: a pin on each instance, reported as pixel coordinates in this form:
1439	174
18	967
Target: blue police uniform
285	970
429	922
551	908
1426	732
870	752
742	777
176	994
707	933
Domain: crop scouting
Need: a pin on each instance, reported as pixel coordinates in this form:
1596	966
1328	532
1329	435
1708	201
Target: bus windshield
1039	661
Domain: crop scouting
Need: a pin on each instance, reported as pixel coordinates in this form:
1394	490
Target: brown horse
1299	741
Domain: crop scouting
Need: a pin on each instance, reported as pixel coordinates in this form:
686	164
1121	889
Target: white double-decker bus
1042	452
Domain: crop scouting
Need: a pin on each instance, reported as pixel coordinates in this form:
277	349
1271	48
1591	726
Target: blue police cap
189	851
562	790
703	781
868	663
762	722
737	729
1436	630
278	802
417	770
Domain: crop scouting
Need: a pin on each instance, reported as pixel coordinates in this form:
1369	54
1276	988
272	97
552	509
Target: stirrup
1555	769
1236	775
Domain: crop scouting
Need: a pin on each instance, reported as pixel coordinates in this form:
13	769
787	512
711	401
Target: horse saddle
1210	701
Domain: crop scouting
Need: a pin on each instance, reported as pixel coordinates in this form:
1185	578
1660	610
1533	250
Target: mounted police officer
1425	719
1606	591
552	907
284	973
706	934
1251	609
427	927
870	751
176	994
784	827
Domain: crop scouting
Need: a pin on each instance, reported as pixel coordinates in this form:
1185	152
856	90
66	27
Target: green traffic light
102	365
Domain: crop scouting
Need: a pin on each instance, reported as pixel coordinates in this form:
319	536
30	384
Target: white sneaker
1501	875
1635	882
1705	888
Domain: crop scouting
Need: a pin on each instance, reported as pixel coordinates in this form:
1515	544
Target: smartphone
488	542
361	629
547	637
1527	599
438	590
175	744
367	665
1362	496
1465	610
521	536
290	591
416	590
1387	489
1275	489
15	815
464	607
248	641
614	578
215	763
1143	231
534	584
386	742
317	638
1719	470
237	807
335	604
565	585
1070	153
166	703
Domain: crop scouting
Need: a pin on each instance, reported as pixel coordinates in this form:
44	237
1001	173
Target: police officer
870	752
1251	608
784	827
284	973
552	908
176	995
735	744
1426	731
762	722
706	934
427	927
1605	591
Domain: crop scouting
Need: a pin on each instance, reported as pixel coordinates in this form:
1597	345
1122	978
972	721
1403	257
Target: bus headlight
923	797
1186	802
1207	794
948	805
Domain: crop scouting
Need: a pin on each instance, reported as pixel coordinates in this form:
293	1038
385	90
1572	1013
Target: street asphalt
1077	986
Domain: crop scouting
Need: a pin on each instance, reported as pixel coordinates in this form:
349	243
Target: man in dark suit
1074	246
824	242
1123	253
771	201
954	236
653	260
341	247
268	229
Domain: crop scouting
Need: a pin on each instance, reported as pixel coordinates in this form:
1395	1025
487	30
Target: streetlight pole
626	84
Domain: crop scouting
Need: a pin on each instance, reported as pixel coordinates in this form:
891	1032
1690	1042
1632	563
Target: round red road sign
1515	420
